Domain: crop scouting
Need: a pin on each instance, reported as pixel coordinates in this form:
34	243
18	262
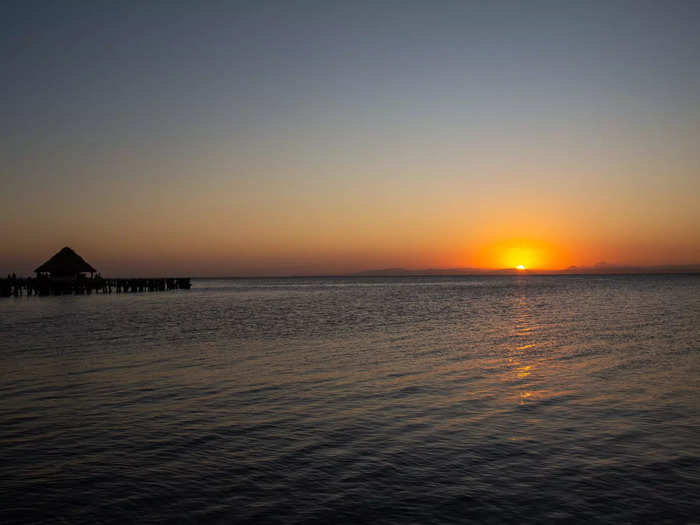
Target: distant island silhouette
598	269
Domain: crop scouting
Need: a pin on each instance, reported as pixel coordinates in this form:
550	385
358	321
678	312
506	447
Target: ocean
521	399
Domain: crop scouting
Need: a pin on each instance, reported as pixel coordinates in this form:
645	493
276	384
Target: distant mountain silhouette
427	271
601	268
605	268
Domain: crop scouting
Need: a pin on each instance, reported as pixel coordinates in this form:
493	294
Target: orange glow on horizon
521	254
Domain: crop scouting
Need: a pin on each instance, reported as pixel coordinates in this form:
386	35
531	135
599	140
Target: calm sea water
407	400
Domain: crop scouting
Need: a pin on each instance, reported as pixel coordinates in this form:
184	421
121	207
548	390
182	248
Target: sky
276	138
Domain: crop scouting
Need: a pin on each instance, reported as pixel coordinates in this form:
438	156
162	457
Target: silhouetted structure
65	286
66	273
66	264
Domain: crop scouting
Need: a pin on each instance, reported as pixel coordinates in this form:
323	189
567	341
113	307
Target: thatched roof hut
65	263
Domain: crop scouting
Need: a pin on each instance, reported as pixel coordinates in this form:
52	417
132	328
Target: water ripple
414	400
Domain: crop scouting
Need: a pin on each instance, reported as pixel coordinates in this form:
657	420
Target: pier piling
15	287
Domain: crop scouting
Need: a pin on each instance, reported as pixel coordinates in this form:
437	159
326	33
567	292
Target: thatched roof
65	262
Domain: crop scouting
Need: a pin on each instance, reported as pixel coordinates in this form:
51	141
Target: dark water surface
408	400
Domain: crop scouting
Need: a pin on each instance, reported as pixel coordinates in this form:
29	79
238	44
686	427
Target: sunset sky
273	138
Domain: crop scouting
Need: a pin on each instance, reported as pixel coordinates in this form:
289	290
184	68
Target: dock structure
47	286
66	273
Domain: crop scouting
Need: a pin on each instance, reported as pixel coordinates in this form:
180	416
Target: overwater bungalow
65	265
68	273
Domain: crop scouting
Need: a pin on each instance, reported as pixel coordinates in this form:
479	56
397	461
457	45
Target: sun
519	254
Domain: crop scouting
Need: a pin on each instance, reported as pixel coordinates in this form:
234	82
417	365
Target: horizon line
607	269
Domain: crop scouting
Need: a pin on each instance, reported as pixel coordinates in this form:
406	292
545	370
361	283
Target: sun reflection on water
523	335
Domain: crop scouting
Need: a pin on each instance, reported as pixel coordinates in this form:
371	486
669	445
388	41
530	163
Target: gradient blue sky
241	138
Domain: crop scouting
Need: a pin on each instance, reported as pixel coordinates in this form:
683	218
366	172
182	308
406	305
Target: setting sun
521	254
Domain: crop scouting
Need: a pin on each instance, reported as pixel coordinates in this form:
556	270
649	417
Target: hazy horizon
122	268
330	138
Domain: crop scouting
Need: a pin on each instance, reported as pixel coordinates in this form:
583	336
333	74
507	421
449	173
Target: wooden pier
15	287
66	273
